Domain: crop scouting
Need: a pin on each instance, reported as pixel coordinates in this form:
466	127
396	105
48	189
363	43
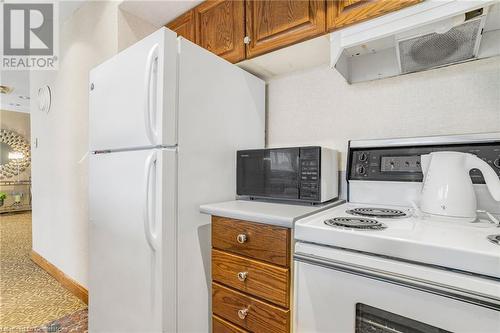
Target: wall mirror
15	154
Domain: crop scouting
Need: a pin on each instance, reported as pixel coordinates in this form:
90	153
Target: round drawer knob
242	276
242	313
241	238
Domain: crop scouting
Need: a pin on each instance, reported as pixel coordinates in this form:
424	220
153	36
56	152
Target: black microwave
307	174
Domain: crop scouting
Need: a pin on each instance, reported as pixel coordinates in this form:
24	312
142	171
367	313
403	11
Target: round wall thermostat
44	99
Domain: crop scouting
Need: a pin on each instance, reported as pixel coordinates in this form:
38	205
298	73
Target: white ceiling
18	98
158	12
68	7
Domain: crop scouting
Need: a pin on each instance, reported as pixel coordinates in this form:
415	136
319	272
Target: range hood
432	34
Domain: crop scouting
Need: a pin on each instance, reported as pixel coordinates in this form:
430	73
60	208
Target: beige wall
318	107
18	122
94	33
132	29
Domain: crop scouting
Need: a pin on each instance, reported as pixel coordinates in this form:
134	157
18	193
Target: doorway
31	299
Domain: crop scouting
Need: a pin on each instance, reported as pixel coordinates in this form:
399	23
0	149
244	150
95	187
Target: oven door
348	292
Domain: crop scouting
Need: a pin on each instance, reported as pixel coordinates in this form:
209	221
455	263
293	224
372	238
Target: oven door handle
448	291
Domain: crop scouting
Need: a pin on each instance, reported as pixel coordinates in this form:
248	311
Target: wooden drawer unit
219	325
248	312
251	279
260	279
258	241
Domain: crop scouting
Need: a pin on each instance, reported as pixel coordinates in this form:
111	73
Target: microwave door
269	173
251	173
282	173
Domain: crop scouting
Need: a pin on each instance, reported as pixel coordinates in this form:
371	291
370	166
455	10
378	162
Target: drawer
255	240
257	278
219	325
256	315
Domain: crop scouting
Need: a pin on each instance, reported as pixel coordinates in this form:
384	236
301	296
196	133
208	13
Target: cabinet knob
242	276
246	40
241	238
242	313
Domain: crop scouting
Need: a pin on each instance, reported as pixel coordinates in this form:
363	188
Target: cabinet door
272	24
341	13
184	26
220	28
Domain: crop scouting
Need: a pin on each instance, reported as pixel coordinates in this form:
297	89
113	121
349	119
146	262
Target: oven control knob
362	157
496	163
360	169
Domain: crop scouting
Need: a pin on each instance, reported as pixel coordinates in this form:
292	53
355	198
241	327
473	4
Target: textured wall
318	107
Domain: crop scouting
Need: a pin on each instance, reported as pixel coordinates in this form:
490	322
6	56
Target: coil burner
355	223
377	212
494	239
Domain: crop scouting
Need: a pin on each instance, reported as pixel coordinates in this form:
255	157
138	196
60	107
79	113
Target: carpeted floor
30	299
74	323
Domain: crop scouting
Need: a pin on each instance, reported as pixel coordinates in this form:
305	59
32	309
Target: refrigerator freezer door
133	96
132	241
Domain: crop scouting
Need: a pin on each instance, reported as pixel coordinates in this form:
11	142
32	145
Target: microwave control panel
310	159
403	163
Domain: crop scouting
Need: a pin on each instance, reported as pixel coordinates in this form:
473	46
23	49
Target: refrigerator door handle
150	126
148	170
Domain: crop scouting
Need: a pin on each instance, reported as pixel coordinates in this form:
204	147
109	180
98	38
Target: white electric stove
377	264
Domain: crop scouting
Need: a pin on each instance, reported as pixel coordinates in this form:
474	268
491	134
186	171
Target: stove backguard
388	171
403	163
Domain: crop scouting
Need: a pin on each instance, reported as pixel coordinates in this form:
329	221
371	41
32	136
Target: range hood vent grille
423	52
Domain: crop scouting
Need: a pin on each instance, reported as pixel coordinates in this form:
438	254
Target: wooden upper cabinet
220	28
272	24
184	26
341	13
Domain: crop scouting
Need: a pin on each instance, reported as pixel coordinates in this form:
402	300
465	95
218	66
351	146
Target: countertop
280	214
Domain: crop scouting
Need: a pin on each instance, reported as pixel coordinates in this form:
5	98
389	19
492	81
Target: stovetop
406	235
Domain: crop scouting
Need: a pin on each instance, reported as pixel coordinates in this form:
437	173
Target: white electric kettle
447	189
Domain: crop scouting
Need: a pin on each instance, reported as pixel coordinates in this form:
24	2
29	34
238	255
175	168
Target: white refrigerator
166	119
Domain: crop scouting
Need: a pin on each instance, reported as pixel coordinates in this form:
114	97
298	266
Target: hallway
30	299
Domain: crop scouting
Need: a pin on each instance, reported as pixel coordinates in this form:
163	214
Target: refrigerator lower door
132	96
133	241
